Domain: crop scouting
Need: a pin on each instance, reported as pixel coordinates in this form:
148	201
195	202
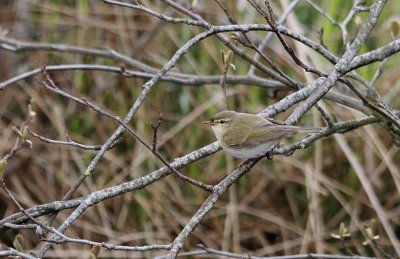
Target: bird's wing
239	137
268	132
278	122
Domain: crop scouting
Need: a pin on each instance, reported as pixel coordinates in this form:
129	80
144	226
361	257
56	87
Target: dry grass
290	205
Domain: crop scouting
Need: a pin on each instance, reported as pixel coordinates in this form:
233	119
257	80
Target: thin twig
65	239
142	8
155	127
70	142
48	83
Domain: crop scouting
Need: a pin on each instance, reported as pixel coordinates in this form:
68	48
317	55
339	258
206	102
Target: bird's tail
310	130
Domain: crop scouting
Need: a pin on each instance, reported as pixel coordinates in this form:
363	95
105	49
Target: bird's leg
270	152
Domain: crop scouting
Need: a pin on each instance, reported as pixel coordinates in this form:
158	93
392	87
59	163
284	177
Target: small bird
246	136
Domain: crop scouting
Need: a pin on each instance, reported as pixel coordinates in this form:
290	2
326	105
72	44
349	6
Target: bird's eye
222	121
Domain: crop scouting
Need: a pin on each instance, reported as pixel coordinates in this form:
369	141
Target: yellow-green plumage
246	135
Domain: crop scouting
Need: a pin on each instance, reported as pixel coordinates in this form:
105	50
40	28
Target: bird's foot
269	154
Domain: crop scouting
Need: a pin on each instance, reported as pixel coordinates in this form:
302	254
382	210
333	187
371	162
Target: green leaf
18	243
3	164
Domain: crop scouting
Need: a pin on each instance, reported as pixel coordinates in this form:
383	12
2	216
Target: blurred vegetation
268	212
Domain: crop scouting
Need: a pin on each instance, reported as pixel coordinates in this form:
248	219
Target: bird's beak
208	122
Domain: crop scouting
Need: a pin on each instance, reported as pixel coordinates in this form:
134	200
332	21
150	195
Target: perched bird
246	136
